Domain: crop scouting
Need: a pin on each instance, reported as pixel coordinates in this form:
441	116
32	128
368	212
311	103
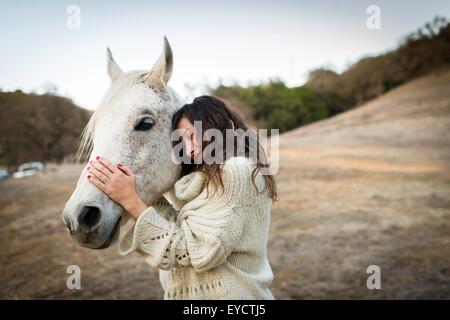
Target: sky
244	42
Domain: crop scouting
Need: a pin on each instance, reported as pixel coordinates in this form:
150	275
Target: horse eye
145	124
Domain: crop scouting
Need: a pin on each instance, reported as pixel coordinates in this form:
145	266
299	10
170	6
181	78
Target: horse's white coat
110	134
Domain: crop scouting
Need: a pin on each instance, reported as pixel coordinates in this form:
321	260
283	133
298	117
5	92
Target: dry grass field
368	187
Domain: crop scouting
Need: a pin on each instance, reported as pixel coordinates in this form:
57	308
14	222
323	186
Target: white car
4	174
28	169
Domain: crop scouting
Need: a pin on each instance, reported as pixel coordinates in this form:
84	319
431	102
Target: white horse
132	126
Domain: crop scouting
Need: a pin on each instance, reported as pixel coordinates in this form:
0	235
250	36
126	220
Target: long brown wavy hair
219	114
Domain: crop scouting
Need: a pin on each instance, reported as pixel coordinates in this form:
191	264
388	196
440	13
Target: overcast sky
236	41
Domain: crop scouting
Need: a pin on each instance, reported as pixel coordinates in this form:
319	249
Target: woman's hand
119	184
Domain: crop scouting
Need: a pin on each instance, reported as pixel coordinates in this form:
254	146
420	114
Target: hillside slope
414	115
369	186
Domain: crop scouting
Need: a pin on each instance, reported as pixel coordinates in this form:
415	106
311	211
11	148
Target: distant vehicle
28	169
4	174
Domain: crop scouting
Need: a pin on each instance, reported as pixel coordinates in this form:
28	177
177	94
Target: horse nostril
89	219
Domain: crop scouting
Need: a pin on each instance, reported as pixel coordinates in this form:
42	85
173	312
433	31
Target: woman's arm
206	234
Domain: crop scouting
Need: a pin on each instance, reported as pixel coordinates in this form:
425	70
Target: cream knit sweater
208	247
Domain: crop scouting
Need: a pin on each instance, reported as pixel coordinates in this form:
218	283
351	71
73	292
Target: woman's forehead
185	123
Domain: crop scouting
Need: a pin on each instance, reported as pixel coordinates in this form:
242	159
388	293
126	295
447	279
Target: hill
327	93
38	127
370	186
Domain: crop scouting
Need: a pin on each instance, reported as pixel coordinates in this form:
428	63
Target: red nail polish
97	158
88	177
119	165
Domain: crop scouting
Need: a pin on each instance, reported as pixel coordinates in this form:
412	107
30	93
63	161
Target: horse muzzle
91	227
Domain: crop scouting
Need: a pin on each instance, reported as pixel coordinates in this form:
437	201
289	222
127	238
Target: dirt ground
368	187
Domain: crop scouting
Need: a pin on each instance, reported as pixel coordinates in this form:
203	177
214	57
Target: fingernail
90	162
119	165
97	158
89	168
88	177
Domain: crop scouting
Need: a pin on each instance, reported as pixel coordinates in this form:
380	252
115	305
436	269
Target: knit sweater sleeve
206	231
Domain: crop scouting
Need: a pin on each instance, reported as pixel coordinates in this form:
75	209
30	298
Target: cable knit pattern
208	247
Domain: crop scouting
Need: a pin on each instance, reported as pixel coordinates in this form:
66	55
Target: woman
211	243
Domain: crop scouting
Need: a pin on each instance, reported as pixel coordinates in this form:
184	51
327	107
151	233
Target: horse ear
114	70
162	69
